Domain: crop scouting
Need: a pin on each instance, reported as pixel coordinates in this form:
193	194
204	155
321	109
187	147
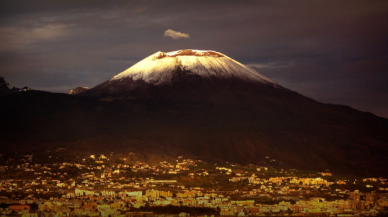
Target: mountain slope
6	89
181	109
159	68
337	138
166	75
77	90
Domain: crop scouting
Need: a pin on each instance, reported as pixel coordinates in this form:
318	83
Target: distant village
49	184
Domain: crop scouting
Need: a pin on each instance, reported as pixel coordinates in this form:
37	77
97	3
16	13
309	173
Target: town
57	183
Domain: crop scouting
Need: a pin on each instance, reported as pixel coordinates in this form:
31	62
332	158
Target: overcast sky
331	51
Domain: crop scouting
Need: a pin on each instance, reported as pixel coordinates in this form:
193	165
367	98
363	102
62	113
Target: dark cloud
332	51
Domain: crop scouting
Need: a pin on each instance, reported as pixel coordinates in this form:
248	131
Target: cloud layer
175	35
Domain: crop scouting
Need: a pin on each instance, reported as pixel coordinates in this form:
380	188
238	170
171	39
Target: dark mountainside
77	90
217	119
6	89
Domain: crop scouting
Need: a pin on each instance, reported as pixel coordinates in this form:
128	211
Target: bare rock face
77	90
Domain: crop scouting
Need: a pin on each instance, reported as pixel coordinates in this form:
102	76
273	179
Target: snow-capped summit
159	68
185	75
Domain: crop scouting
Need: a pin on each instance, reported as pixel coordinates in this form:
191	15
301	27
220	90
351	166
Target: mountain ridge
184	75
228	119
77	90
6	88
200	62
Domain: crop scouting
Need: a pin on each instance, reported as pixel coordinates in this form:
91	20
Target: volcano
184	75
202	104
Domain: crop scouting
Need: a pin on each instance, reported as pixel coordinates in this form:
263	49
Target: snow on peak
159	68
190	52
